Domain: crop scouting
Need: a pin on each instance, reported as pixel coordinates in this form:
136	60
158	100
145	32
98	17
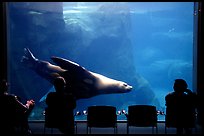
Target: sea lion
83	83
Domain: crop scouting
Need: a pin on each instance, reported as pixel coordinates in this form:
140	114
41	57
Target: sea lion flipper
28	58
88	81
43	68
67	64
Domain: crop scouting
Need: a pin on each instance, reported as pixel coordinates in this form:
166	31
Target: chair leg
115	130
88	130
195	128
152	129
165	129
75	128
44	129
127	129
156	129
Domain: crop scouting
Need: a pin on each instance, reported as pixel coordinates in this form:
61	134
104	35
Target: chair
142	116
101	117
180	112
185	120
51	121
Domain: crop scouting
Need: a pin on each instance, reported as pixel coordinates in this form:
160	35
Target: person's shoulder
170	94
9	98
50	94
188	91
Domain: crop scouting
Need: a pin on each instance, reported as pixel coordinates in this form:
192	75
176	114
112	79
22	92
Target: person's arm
18	104
188	91
30	105
22	108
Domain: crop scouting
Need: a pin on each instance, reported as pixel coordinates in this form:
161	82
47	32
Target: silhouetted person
180	107
14	114
200	111
61	104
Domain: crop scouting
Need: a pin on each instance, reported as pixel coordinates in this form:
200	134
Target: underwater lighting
119	112
124	112
160	112
77	113
85	112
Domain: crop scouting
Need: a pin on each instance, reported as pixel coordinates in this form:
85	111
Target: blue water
145	44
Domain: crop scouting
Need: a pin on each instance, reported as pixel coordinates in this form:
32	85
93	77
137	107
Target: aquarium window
144	44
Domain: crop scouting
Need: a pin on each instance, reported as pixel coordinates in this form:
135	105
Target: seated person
14	114
180	107
60	106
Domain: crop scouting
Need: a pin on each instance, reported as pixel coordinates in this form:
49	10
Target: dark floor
37	127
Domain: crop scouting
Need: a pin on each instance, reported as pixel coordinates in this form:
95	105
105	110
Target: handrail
84	121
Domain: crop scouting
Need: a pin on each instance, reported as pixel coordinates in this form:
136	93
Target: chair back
181	109
51	119
184	119
101	116
142	115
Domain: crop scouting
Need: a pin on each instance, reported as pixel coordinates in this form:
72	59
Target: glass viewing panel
145	44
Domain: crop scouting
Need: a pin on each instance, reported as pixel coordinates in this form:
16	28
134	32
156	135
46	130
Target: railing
84	121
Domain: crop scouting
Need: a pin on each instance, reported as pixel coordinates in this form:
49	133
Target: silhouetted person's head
3	87
180	85
59	84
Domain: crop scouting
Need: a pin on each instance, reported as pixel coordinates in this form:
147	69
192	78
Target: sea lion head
109	86
120	87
